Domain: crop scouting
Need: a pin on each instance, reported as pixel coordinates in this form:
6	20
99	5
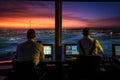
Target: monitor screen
71	49
116	49
48	49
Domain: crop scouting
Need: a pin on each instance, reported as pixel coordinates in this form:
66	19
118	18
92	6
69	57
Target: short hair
86	31
31	33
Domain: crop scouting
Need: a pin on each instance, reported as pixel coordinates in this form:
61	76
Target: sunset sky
41	14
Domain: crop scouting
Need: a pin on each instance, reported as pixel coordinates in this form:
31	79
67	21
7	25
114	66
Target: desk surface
7	64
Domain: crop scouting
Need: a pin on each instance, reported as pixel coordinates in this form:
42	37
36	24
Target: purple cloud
26	9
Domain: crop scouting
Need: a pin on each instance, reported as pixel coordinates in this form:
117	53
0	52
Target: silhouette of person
30	49
30	53
88	45
87	62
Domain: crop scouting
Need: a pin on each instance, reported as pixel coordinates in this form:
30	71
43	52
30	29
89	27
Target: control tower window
16	17
102	17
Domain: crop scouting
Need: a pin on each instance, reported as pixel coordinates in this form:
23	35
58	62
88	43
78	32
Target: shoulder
78	42
97	41
81	40
38	44
21	44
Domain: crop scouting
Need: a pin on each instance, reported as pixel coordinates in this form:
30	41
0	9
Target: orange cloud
73	24
25	22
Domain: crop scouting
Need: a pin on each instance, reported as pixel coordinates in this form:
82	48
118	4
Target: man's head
31	33
86	31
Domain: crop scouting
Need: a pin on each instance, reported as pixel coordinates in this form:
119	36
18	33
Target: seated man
88	45
29	54
88	60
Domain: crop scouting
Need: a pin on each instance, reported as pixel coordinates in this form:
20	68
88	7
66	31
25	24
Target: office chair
85	67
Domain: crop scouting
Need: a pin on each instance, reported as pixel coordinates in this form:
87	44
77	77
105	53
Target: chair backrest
87	64
24	70
85	67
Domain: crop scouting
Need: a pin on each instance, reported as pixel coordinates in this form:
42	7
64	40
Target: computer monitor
48	49
71	50
116	50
